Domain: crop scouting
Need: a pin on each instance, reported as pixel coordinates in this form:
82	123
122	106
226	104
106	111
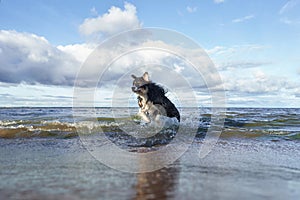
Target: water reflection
160	184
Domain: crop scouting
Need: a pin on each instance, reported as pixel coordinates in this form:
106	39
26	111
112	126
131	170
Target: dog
152	100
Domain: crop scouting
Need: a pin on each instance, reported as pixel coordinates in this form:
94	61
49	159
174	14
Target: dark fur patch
156	94
140	103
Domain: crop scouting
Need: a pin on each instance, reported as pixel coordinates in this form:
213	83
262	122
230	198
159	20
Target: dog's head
138	82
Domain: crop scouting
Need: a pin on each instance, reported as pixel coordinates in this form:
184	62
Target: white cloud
114	21
152	60
79	51
289	22
289	13
230	65
32	59
219	1
216	50
257	83
93	11
242	19
178	68
35	95
235	49
288	6
247	77
260	75
191	9
238	56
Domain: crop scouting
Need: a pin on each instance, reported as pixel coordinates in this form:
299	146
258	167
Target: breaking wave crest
269	124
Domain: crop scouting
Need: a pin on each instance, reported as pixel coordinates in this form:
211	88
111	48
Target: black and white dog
154	105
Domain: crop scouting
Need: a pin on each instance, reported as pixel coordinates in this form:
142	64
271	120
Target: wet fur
156	95
152	99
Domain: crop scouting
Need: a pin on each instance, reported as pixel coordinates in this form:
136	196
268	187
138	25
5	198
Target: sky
254	46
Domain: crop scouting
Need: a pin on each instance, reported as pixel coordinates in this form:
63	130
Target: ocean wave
276	124
42	129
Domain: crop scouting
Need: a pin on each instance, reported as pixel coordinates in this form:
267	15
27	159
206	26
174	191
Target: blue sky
255	45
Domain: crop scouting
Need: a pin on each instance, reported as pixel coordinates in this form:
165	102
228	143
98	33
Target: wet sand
235	169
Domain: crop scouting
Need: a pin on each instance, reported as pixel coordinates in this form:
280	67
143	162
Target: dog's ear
146	77
133	76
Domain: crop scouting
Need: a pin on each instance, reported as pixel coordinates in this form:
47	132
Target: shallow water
256	157
58	169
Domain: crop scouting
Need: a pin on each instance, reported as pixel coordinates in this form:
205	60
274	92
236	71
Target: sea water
42	156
